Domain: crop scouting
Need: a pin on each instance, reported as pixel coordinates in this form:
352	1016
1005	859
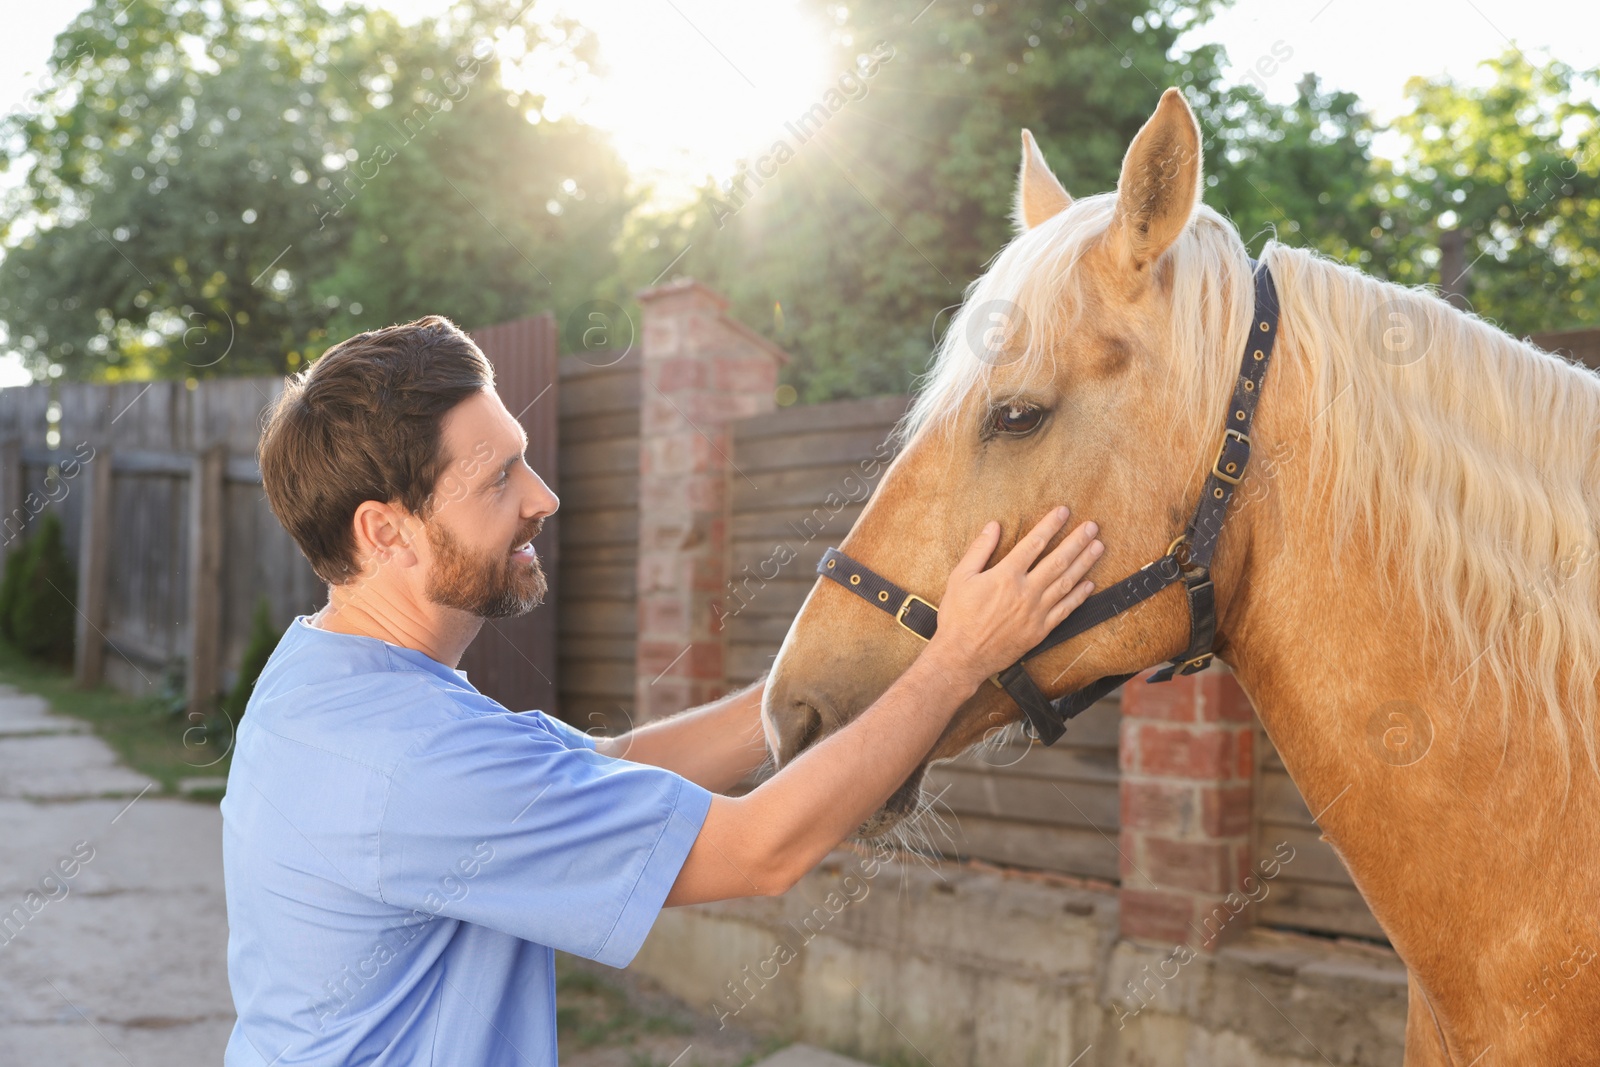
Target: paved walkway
113	935
113	931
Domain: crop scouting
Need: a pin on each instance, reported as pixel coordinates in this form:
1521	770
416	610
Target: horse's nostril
811	719
800	727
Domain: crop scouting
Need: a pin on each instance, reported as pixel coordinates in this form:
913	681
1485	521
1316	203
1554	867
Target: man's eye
1016	419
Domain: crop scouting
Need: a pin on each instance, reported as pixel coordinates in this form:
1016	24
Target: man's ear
1040	194
1160	183
385	533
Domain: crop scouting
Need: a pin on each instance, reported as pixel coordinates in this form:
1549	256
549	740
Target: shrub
43	615
257	650
16	559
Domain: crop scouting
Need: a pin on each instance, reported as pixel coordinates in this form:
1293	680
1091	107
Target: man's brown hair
364	422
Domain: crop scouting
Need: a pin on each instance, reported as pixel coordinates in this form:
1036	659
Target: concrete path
113	931
113	934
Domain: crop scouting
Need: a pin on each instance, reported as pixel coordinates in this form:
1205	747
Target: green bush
43	616
16	559
257	650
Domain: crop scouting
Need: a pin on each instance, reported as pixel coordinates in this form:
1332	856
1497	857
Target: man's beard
492	586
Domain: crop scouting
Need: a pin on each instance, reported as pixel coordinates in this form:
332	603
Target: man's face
488	505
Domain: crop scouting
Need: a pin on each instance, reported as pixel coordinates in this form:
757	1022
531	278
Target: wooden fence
514	660
162	508
599	490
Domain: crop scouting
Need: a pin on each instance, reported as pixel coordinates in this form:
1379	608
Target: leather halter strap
1187	559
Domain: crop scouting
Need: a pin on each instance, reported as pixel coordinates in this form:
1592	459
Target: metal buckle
1189	666
899	616
1181	539
1229	478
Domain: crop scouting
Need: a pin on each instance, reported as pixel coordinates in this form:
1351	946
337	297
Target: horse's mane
1474	468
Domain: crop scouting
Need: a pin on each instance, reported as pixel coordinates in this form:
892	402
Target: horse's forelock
1039	278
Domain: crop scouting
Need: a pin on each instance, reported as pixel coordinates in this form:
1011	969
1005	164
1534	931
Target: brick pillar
1187	755
701	372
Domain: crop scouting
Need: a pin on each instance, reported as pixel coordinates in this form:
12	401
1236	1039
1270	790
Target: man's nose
544	501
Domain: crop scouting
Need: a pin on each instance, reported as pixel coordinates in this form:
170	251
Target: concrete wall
975	966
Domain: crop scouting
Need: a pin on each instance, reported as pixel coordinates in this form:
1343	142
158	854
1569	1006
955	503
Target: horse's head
1073	374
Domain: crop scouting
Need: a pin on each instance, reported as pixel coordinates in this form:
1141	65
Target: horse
1430	544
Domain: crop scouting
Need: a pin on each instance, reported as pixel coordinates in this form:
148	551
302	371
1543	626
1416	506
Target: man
402	853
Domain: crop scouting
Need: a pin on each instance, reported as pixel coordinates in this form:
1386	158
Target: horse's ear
1160	183
1039	193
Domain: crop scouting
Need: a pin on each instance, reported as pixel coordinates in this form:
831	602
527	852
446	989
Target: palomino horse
1430	546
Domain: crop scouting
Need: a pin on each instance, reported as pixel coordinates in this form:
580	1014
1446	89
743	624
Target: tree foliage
884	213
211	187
851	254
1514	166
228	186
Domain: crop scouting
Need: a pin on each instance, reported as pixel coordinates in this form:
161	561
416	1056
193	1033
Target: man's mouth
524	553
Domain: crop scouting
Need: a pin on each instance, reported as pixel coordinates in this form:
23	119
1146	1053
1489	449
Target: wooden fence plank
206	530
877	411
1051	848
93	572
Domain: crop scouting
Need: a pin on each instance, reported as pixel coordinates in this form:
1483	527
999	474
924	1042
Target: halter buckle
1200	662
1172	550
1243	439
900	616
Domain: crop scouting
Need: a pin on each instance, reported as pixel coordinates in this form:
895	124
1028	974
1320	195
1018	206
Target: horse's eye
1016	419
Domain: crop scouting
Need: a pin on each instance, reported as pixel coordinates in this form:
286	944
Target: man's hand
989	618
763	842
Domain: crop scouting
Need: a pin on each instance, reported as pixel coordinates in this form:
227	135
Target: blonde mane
1471	459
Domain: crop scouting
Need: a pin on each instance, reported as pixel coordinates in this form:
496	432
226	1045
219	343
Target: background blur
265	177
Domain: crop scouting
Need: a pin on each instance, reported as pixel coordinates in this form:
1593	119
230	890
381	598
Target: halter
1188	558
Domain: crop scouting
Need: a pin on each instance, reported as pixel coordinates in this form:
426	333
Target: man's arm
715	745
762	843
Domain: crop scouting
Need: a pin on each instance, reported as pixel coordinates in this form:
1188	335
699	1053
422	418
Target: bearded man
401	853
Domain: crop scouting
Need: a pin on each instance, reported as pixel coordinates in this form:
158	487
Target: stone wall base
968	965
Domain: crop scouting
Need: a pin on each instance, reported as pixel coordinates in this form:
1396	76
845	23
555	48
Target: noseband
1188	559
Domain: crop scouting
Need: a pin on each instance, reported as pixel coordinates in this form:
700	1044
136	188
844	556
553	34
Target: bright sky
688	86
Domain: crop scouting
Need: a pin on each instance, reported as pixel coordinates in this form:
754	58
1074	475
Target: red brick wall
701	371
1187	758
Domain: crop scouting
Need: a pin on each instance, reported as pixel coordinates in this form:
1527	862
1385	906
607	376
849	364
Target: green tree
1303	173
478	215
849	253
166	166
201	193
1513	167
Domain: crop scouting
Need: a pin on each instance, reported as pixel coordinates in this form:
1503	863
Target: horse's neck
1450	830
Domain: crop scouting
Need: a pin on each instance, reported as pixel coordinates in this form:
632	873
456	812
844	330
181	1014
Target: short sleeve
495	821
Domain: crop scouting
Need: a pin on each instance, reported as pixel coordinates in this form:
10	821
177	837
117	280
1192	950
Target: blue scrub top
401	854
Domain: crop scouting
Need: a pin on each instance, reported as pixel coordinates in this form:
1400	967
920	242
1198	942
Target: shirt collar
377	645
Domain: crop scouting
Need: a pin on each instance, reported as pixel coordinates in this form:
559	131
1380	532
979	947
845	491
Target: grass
151	734
592	1011
595	1013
